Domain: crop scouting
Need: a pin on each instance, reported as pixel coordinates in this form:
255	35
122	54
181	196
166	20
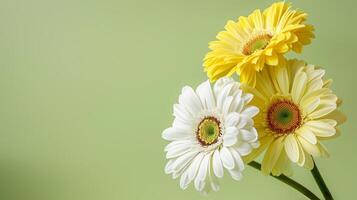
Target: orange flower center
256	43
283	117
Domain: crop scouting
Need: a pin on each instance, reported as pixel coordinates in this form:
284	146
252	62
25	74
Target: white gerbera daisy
212	129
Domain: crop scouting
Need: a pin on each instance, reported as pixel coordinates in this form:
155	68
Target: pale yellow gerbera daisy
298	111
260	39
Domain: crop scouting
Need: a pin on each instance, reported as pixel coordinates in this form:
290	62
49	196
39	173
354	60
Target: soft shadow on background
86	87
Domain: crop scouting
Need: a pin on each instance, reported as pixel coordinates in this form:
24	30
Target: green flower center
257	43
283	117
208	131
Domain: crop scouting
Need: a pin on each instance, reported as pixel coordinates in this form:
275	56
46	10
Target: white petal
244	121
191	171
213	180
215	186
255	145
226	105
291	148
181	113
202	172
217	164
236	175
237	158
221	83
230	136
195	165
204	91
244	149
176	174
227	158
231	119
178	150
175	134
190	100
182	125
236	90
237	104
250	111
199	184
245	135
168	167
229	140
247	97
255	133
173	144
232	131
183	160
222	95
184	181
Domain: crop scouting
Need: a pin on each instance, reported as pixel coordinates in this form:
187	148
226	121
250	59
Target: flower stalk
321	183
289	182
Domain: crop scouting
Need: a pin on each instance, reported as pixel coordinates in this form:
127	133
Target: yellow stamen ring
256	43
208	131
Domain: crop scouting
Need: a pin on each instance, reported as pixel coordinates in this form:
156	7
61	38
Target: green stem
321	183
289	182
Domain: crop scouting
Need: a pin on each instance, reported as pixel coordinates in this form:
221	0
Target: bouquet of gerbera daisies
282	108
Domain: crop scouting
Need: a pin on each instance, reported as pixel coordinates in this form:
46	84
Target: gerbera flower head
260	39
212	129
298	111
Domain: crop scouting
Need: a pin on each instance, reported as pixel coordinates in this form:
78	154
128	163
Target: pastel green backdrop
86	87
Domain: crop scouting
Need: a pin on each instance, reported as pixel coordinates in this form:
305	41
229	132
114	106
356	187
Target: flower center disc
208	131
283	117
257	43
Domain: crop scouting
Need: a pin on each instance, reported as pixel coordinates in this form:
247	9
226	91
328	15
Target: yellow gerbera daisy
261	38
298	110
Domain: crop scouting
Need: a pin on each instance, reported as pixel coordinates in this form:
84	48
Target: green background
86	88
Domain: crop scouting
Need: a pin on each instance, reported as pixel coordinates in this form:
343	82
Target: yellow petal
291	148
337	115
281	165
321	128
308	147
309	163
272	60
282	79
322	110
307	134
301	161
272	155
298	86
323	150
264	143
